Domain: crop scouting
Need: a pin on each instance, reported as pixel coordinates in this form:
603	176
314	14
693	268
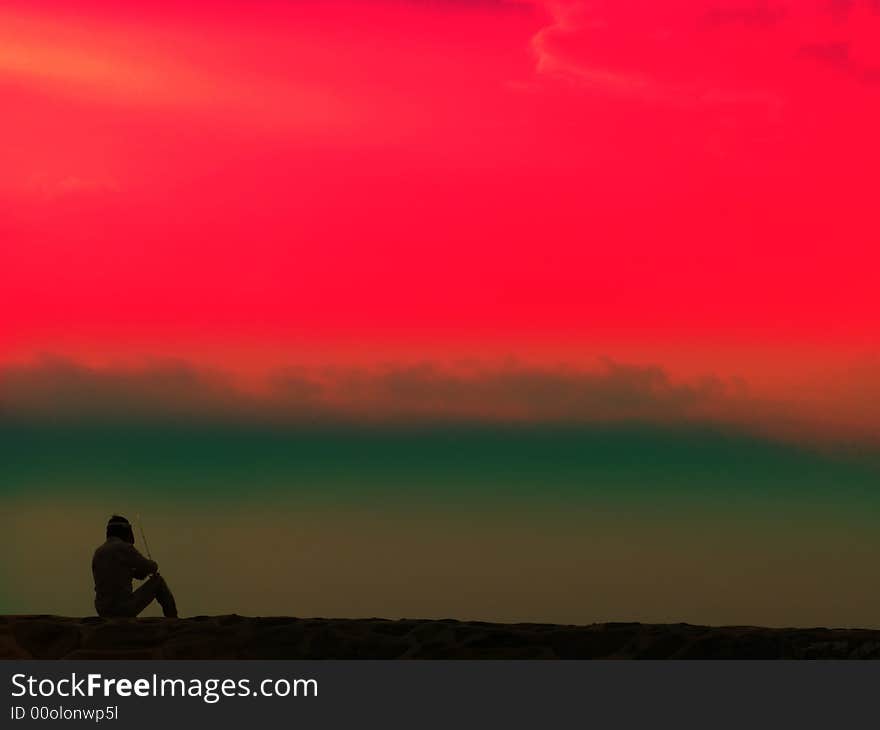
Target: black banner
398	694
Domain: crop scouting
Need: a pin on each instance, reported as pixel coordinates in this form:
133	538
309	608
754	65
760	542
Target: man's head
120	527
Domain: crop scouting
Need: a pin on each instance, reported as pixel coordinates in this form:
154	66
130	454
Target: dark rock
394	628
663	646
720	646
128	635
379	646
202	641
281	637
112	654
9	648
324	643
273	620
593	642
44	638
501	640
286	641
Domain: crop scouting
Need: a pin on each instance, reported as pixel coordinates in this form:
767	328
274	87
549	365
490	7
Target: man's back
114	565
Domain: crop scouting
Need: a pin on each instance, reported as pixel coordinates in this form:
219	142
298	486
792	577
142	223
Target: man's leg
166	599
153	588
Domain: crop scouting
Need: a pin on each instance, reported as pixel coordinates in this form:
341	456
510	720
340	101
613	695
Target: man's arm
140	566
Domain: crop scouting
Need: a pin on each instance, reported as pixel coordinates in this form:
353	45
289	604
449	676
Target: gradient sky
630	214
250	185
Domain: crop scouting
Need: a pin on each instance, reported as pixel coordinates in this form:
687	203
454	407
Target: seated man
115	563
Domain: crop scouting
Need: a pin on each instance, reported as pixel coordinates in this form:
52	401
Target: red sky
246	185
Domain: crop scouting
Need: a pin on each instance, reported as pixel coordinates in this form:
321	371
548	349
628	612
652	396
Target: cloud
725	50
755	14
59	388
840	57
837	412
611	392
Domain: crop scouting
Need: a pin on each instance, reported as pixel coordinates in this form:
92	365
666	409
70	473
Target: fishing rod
144	537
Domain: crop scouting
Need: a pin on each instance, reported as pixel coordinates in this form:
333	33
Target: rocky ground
238	637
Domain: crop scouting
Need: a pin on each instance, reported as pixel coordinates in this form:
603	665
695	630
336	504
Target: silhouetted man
114	565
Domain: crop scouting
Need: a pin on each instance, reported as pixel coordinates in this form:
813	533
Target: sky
620	218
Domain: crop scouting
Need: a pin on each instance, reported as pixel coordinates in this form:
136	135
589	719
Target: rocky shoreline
239	637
